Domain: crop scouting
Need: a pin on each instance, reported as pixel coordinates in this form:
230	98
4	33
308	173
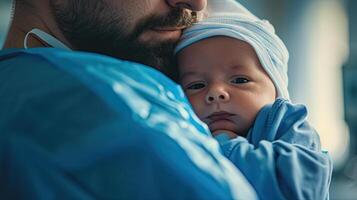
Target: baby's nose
217	95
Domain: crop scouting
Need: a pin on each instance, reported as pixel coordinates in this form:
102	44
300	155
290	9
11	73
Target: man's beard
94	26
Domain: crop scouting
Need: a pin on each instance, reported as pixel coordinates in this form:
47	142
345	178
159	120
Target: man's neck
27	17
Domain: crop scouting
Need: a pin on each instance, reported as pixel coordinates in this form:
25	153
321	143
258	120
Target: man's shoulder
23	71
52	76
49	68
82	65
34	86
37	57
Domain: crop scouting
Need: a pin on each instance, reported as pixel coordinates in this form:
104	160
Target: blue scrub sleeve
76	125
282	156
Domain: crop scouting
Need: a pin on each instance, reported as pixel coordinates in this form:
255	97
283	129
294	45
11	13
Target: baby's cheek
197	105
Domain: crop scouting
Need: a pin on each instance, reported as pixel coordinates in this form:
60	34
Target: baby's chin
228	133
231	134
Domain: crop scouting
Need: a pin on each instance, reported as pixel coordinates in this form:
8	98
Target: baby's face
225	83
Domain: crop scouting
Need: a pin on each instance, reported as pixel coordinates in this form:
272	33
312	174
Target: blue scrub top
79	125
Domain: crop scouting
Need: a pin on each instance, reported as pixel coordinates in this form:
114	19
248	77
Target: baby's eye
239	80
195	86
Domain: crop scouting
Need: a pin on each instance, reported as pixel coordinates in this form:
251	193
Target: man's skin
117	28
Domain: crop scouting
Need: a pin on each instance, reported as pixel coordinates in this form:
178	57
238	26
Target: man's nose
194	5
217	95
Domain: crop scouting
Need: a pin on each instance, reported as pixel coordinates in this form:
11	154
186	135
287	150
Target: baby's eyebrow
189	73
237	67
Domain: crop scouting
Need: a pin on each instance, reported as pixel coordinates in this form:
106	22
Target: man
141	31
79	125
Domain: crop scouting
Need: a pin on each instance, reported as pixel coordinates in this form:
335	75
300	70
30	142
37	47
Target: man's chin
153	37
159	56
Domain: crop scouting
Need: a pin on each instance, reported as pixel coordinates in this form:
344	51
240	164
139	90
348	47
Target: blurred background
321	36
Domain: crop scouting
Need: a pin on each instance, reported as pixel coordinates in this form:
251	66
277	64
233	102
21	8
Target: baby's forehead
214	72
227	52
199	70
219	42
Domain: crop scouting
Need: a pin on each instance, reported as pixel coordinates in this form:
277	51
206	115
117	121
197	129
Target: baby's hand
284	121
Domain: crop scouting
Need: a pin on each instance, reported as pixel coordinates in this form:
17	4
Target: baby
225	80
233	69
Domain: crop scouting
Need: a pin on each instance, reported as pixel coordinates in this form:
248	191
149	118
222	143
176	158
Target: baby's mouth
217	116
221	122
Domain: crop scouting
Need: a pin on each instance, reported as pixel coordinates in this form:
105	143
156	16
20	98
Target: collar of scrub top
7	10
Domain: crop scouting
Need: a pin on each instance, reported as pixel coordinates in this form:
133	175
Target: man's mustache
176	18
